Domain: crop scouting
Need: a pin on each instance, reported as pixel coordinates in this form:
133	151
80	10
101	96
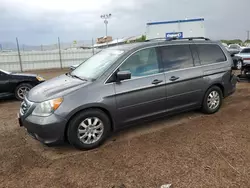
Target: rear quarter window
210	53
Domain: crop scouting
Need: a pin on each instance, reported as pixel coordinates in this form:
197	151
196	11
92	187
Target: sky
42	21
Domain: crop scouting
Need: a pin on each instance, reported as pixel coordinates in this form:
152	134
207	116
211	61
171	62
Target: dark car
123	85
17	84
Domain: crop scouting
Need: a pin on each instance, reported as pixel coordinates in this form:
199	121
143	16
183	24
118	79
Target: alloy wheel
22	92
213	100
90	130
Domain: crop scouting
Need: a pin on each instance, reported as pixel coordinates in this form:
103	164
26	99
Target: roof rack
174	38
188	38
155	39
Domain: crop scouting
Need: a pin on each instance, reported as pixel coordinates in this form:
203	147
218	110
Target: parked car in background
123	85
235	47
225	45
237	60
245	55
17	84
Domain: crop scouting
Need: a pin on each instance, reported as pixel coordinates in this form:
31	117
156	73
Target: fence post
93	50
60	54
19	55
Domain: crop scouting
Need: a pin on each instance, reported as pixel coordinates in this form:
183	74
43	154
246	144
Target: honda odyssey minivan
127	84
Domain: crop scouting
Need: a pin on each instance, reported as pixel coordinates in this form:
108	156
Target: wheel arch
220	85
103	109
22	82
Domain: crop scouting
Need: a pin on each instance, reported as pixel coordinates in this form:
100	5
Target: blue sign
178	35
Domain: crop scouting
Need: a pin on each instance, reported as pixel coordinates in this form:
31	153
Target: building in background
178	29
103	39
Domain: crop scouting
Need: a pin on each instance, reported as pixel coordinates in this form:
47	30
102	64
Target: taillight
246	59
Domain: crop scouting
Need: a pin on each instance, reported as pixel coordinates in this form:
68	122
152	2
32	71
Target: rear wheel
88	129
212	100
22	90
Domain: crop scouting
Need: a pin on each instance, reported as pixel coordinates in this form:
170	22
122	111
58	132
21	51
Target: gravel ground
187	150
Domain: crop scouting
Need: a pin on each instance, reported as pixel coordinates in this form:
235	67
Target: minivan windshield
93	67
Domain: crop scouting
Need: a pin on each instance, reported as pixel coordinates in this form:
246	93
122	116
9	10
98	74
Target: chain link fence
16	57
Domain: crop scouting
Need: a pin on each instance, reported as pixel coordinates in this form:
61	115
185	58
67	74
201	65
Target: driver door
144	95
4	81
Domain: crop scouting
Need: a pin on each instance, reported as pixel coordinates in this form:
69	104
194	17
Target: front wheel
88	129
212	100
22	90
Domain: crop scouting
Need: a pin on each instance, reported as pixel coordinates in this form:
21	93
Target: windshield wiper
75	76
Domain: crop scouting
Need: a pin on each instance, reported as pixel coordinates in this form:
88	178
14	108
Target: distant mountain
7	46
25	47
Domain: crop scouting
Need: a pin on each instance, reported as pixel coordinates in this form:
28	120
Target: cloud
42	21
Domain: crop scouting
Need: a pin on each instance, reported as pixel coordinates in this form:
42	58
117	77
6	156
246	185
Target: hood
24	74
54	88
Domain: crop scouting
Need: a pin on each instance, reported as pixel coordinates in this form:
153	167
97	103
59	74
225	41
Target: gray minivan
122	85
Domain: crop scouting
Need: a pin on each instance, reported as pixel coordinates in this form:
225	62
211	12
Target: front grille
25	106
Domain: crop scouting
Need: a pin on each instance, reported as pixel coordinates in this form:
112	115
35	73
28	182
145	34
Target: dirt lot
188	150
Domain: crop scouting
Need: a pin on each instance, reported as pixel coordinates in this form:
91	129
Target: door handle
155	82
173	78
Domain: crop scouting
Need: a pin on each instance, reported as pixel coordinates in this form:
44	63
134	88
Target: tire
84	126
22	90
211	109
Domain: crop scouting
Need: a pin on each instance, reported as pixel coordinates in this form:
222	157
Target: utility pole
60	53
248	32
106	17
19	55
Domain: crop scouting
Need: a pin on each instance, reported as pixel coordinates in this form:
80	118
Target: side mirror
73	67
123	75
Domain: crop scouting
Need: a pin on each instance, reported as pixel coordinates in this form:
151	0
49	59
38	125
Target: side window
210	53
142	63
176	57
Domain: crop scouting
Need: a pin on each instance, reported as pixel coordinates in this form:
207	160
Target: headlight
46	108
39	78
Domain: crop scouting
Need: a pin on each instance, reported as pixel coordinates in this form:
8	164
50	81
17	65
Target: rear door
144	95
183	77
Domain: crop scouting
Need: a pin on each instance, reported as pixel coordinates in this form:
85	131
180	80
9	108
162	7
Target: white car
235	47
245	55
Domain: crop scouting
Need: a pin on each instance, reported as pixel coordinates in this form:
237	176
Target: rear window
210	53
247	50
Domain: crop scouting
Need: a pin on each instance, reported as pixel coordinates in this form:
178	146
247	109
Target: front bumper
48	130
